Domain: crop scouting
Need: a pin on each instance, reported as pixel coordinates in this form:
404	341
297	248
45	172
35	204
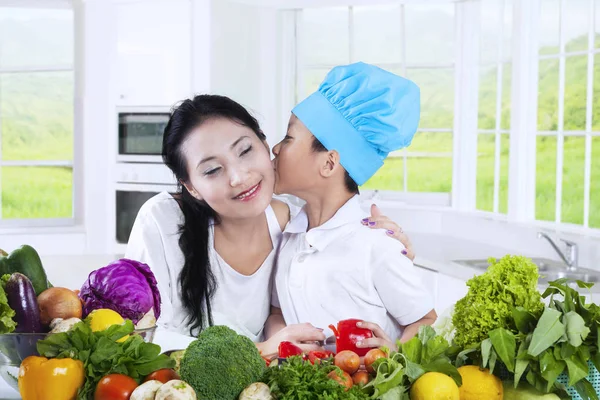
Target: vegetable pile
502	324
102	355
98	358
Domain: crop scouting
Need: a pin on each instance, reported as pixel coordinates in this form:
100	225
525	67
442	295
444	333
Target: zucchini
26	261
22	299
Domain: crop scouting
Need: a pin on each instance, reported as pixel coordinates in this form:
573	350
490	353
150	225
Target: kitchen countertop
433	252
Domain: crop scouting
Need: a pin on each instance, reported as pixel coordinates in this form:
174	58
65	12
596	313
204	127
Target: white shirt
241	302
343	270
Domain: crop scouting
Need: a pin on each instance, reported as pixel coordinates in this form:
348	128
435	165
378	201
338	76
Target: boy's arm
380	338
402	292
274	323
411	330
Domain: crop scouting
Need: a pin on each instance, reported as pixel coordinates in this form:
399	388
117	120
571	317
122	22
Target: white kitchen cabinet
154	52
449	291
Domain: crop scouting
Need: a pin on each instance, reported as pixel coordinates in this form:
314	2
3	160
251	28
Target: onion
58	302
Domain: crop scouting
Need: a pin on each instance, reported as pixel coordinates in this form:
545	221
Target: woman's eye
212	171
246	151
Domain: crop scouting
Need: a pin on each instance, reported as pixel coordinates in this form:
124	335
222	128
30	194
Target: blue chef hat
364	113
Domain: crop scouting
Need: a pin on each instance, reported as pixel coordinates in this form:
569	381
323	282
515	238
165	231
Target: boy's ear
331	164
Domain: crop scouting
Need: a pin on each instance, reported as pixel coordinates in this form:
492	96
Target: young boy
331	267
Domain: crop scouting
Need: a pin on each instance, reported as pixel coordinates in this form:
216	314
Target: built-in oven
135	184
140	132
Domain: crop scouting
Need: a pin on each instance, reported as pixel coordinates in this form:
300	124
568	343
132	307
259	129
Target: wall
244	59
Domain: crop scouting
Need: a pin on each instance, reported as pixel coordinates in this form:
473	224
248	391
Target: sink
550	270
580	275
543	264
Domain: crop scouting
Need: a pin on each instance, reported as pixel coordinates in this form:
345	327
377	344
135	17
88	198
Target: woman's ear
191	190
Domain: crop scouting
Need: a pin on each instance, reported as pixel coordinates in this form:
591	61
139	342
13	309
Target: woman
211	244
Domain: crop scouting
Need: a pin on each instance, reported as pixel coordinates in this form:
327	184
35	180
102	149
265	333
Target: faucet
571	259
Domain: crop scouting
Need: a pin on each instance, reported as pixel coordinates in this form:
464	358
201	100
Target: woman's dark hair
196	281
351	186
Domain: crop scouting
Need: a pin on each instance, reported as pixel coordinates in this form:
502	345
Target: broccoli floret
221	363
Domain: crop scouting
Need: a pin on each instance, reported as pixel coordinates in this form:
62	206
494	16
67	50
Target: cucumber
22	299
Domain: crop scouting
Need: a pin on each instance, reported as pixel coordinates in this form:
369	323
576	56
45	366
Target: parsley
296	379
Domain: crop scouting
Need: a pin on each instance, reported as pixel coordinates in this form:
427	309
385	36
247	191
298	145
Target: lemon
434	386
103	318
479	384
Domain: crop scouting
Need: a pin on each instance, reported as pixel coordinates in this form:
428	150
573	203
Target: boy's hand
379	339
378	221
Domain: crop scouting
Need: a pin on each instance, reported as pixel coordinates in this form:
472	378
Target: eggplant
22	299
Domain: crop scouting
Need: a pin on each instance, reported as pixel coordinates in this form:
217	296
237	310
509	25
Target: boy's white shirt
343	270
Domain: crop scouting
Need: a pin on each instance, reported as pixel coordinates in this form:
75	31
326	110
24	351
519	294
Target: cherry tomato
345	379
370	358
361	377
163	375
115	387
347	360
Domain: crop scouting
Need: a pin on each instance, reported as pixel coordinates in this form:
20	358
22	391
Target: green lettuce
7	324
492	297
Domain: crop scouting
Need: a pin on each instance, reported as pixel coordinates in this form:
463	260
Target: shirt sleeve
146	245
400	287
294	203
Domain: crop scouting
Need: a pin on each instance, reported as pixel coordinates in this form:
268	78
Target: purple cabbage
125	286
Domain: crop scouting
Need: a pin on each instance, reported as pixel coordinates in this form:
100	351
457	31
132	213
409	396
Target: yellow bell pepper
54	379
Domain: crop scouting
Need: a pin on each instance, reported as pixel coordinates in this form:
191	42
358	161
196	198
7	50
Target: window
415	41
568	125
36	113
495	69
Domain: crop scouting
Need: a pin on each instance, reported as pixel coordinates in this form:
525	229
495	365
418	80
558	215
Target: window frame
293	67
522	133
561	133
76	217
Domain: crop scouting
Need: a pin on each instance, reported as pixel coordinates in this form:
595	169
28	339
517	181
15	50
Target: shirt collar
321	236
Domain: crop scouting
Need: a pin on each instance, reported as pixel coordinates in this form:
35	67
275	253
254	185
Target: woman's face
229	168
296	164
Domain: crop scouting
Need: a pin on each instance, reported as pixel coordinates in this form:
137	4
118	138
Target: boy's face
296	164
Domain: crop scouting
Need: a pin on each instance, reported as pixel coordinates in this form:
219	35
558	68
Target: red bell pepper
288	349
317	356
348	334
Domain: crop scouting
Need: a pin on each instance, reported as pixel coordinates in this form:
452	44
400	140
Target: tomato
360	377
317	356
115	387
347	361
342	378
163	375
372	355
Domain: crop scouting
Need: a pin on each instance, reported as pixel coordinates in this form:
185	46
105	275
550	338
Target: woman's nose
239	176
